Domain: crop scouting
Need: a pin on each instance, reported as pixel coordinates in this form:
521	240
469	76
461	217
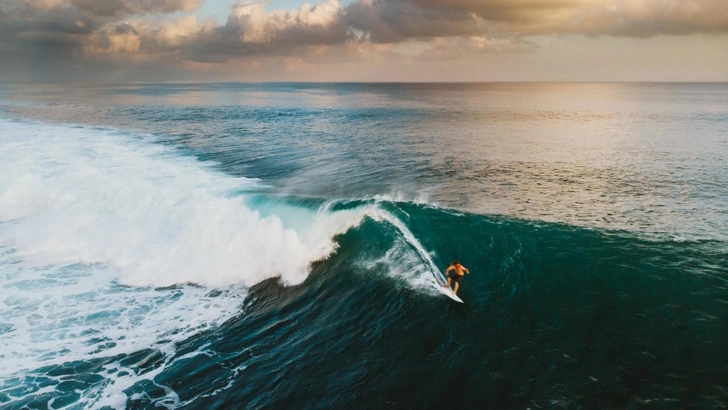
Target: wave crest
81	195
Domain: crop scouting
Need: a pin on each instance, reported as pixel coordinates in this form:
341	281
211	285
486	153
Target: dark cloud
115	8
42	38
396	20
20	17
36	41
125	29
509	11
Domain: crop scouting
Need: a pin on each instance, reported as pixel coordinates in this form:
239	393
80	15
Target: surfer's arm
449	268
466	270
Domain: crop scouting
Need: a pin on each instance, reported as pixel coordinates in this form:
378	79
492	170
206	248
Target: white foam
74	195
62	314
417	267
84	212
422	197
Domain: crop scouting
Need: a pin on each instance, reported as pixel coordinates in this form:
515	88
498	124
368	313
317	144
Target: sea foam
80	195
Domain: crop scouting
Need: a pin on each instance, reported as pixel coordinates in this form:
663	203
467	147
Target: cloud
115	31
43	38
460	48
252	31
319	24
22	17
116	8
395	20
643	18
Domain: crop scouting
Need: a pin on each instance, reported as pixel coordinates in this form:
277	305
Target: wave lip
79	195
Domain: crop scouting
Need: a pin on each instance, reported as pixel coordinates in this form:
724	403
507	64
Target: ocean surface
280	246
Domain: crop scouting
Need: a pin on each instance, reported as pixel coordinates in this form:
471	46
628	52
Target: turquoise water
277	245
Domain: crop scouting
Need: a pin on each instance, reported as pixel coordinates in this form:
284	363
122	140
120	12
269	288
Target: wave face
283	248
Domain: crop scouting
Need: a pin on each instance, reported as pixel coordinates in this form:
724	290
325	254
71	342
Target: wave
99	228
79	195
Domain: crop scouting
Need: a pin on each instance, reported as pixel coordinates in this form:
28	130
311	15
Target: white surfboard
448	292
444	289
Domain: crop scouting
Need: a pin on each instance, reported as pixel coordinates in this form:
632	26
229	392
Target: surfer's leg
457	285
448	282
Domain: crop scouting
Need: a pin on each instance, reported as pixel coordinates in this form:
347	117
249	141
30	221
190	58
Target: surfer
456	274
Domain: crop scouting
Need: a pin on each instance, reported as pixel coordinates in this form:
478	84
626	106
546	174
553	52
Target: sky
363	40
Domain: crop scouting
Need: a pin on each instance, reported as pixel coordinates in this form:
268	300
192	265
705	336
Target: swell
552	314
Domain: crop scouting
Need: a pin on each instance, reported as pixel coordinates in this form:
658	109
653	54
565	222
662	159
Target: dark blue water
279	245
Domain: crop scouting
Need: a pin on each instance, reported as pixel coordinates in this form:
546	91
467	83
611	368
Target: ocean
281	246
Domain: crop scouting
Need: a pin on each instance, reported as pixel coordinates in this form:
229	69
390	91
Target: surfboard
444	289
448	292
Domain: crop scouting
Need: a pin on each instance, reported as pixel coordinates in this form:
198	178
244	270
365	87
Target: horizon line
2	83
